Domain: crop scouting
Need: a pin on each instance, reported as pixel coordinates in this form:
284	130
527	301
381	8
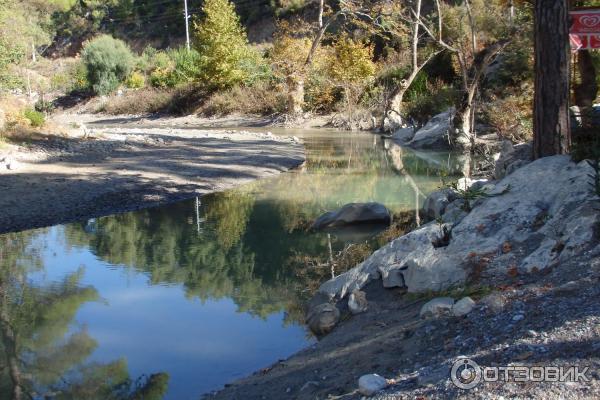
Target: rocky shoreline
507	274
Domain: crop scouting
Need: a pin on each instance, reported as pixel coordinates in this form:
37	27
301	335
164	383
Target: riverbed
179	300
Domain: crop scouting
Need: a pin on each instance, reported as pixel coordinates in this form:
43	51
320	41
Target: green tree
109	62
222	44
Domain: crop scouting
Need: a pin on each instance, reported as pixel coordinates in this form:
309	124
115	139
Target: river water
176	301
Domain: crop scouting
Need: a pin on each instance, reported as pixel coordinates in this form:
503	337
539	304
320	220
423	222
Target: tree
551	131
222	44
474	32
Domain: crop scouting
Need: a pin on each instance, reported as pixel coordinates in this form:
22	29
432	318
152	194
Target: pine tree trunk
552	61
587	90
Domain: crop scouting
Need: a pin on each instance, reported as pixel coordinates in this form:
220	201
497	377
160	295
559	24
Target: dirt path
115	169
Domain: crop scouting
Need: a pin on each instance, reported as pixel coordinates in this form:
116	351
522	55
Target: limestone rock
463	307
437	307
370	384
357	302
546	209
435	204
512	158
354	213
403	135
435	134
495	302
323	318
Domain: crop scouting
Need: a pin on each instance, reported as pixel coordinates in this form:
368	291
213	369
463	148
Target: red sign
585	22
585	29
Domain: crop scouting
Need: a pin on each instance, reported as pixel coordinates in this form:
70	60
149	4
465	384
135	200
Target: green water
175	301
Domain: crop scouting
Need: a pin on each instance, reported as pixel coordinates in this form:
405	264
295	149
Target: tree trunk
461	134
295	95
552	61
462	131
587	90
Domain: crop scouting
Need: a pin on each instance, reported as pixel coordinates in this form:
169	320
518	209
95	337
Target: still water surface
176	301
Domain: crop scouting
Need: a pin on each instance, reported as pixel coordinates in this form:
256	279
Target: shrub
260	99
108	61
44	106
438	98
36	118
512	115
136	81
132	103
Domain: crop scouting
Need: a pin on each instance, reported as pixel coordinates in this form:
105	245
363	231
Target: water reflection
41	356
176	301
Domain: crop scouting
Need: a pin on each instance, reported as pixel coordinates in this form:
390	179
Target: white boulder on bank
434	135
370	384
437	307
548	214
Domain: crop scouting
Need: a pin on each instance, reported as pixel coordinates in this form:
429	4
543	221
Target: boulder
404	135
512	157
495	302
435	204
354	213
548	214
463	307
370	384
437	307
323	318
435	134
357	302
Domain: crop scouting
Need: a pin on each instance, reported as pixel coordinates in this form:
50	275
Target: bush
44	106
136	81
36	118
108	61
438	98
260	99
131	103
512	115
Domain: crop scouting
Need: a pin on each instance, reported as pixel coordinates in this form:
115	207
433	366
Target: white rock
437	307
434	135
463	307
404	135
435	204
357	302
371	384
547	200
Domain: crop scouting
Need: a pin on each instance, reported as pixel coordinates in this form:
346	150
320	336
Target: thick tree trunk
552	61
587	90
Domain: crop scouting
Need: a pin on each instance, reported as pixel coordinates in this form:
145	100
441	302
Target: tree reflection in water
40	355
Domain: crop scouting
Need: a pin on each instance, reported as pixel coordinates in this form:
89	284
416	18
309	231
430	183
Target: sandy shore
116	168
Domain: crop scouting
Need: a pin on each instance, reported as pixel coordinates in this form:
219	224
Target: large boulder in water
435	134
354	213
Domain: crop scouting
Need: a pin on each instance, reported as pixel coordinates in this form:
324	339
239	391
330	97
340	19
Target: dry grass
260	99
145	101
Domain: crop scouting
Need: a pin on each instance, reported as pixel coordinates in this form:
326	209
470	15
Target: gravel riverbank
93	172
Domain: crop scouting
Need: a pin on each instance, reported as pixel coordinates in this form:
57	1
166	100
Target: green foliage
136	80
108	61
44	106
222	44
438	98
36	118
352	62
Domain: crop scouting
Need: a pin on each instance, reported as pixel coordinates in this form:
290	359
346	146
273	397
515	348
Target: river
178	300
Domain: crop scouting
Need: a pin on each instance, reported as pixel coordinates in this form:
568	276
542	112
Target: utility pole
187	27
